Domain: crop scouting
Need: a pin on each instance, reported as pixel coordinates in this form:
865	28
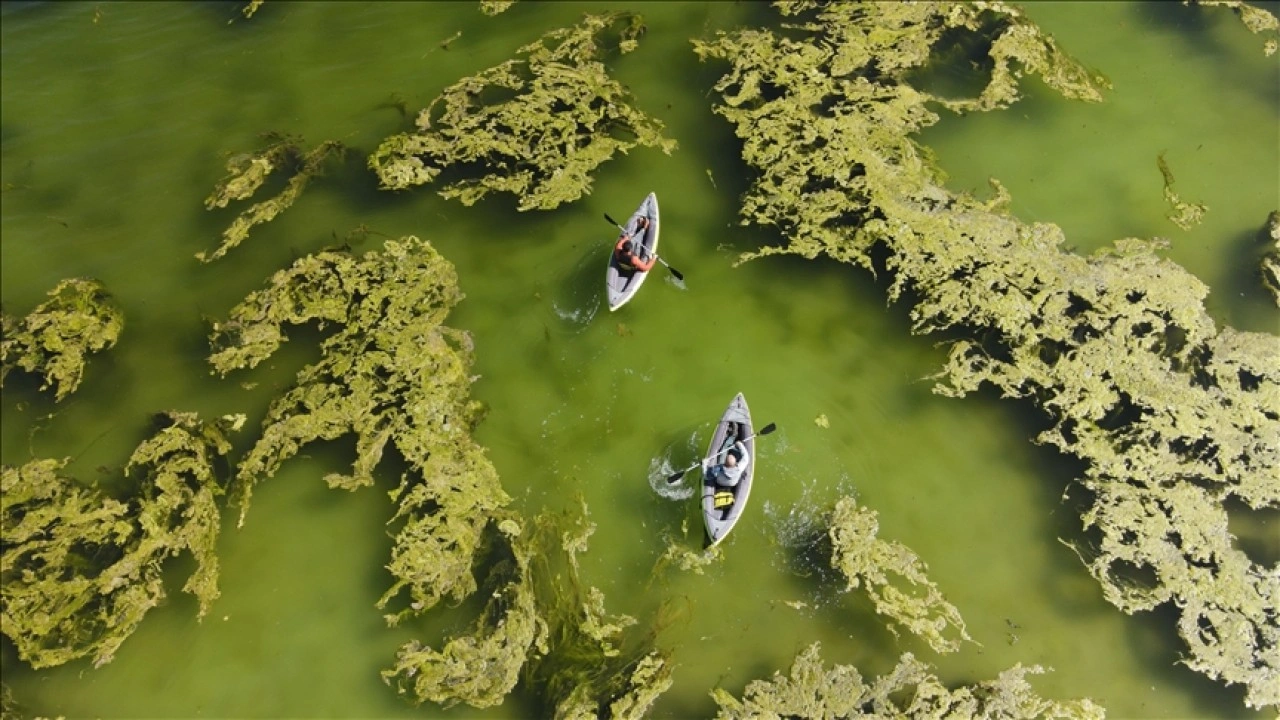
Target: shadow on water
1077	596
1247	303
576	299
1195	25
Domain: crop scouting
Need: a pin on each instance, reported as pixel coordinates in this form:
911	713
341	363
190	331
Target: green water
117	117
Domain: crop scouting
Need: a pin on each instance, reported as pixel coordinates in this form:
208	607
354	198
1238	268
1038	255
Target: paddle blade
678	275
768	428
611	220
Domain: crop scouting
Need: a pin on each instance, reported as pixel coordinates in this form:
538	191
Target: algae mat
118	119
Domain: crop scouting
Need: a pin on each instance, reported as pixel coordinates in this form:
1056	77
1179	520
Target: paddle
679	275
675	477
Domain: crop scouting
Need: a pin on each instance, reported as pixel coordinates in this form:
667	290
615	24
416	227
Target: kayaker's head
630	247
731	460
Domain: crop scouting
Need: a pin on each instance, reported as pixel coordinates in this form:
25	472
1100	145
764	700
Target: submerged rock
79	569
537	127
55	339
1173	416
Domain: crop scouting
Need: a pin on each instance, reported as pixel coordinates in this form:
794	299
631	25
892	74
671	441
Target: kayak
623	283
722	506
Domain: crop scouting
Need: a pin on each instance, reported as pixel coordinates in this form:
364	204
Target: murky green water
116	119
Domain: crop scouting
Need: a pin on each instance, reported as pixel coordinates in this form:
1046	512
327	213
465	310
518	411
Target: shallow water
116	121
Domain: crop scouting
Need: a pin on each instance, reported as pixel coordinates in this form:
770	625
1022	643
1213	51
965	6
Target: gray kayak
734	424
623	283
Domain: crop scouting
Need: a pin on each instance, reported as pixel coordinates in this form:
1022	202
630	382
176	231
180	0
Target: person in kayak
730	472
625	250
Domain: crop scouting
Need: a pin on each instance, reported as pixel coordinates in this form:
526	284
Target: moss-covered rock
537	127
56	338
80	569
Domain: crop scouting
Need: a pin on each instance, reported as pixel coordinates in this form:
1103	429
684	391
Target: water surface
116	121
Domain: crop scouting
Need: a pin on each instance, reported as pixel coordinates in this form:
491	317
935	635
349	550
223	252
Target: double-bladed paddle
675	477
679	275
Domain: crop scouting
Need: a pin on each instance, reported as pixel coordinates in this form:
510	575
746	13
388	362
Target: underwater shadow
1192	23
1246	303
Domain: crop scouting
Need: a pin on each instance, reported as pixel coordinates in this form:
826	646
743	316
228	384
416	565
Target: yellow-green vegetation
246	173
391	373
537	127
481	667
1172	416
495	7
1271	260
1258	20
910	690
541	626
894	577
55	339
1185	215
251	7
79	569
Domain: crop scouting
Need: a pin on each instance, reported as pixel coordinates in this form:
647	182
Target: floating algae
247	172
392	373
1172	416
867	560
1256	19
56	338
79	569
540	627
910	690
1271	260
562	117
1183	214
480	668
495	7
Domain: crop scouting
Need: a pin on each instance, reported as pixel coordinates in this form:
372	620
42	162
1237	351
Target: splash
663	466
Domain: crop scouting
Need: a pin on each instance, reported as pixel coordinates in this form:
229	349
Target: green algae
1172	416
247	172
79	569
1270	267
910	690
1258	20
56	338
394	376
1185	215
495	7
480	668
539	626
894	576
537	127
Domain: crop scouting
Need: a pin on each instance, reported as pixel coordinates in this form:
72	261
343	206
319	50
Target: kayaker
730	472
627	246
